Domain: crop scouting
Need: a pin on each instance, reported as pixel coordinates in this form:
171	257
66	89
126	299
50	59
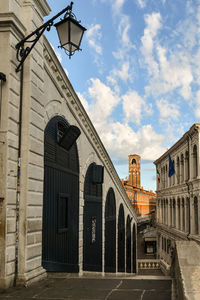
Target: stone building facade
142	200
62	204
178	208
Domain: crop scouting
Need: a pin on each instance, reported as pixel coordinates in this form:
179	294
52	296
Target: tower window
133	161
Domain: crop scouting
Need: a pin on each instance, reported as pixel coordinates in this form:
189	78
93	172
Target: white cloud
168	111
124	73
117	5
141	3
119	138
145	141
132	106
153	24
94	36
104	100
197	105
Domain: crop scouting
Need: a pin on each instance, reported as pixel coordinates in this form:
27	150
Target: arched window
195	169
183	215
179	214
166	205
171	209
121	240
174	213
188	215
174	174
186	165
196	223
133	161
178	170
182	169
166	176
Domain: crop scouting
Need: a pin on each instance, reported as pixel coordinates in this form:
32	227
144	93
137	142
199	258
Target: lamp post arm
23	52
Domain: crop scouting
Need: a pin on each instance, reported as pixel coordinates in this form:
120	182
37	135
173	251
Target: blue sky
138	75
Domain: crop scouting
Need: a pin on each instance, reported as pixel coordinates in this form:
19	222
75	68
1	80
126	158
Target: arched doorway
92	219
121	240
128	245
61	199
110	232
134	248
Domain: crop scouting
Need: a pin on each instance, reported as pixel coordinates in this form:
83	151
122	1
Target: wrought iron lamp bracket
22	51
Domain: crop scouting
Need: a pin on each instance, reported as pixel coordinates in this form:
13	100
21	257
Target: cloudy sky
138	75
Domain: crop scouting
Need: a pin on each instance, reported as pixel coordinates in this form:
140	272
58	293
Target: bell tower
134	170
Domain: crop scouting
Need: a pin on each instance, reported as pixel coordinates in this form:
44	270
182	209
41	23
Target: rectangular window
63	213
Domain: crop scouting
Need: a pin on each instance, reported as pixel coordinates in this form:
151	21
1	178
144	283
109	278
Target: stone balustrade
148	263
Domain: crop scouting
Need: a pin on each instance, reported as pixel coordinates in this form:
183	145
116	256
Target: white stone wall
47	92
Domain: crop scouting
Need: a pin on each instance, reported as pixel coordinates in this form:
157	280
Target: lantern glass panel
76	34
63	32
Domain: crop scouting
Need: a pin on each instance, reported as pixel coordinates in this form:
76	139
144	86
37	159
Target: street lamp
69	30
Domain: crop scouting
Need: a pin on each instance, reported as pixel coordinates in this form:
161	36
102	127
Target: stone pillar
11	29
32	147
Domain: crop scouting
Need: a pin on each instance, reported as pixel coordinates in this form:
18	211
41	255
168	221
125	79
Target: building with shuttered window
178	208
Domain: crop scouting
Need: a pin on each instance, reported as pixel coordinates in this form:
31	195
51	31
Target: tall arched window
166	176
178	170
174	174
110	233
196	223
179	214
174	213
187	165
158	211
183	215
188	215
195	168
171	207
182	169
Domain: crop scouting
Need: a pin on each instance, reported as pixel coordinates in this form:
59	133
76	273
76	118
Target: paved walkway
65	286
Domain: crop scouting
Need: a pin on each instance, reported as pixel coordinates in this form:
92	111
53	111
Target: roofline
193	128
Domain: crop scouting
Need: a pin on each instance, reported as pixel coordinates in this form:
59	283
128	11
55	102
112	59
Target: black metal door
134	248
92	223
61	201
128	245
121	240
110	232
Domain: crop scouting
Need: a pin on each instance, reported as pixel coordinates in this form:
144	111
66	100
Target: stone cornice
172	232
190	133
9	21
41	4
86	125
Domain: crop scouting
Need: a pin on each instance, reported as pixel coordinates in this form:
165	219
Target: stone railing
148	264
